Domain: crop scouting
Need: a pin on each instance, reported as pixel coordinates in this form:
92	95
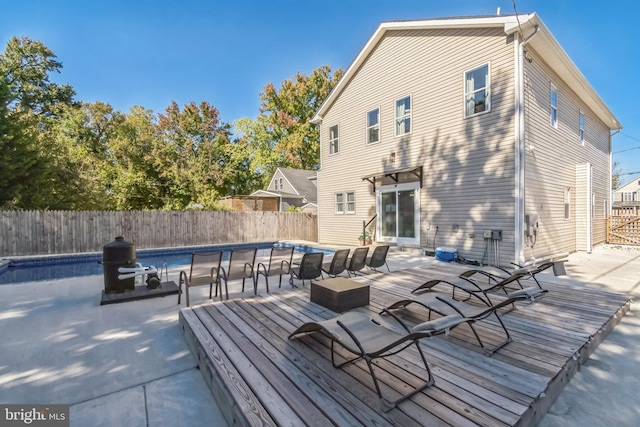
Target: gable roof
301	181
543	42
633	183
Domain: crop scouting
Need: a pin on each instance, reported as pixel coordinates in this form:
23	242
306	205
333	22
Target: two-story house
477	133
628	195
292	187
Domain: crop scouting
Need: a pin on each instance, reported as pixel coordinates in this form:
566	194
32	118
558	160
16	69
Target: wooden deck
259	377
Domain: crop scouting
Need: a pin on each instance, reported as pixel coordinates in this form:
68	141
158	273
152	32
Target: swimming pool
60	267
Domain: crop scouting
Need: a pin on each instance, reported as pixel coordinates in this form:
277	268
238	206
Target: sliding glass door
398	208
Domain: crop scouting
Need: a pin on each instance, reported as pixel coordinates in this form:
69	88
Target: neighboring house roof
301	181
543	42
632	184
267	193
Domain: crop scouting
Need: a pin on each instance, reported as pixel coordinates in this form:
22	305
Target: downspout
611	190
520	144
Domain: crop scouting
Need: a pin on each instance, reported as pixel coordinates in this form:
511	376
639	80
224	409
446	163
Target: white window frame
276	183
348	210
581	127
405	116
606	209
371	127
339	203
334	143
567	203
281	186
469	95
553	106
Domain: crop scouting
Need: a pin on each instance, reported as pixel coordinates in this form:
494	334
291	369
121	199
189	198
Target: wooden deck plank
245	355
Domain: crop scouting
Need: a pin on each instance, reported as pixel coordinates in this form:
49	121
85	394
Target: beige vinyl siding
551	157
468	163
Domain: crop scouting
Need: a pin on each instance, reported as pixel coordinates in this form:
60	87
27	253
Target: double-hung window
351	203
373	126
333	140
403	116
581	128
339	203
553	109
476	91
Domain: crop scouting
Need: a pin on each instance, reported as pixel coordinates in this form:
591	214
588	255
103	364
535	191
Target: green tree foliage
61	154
31	104
282	136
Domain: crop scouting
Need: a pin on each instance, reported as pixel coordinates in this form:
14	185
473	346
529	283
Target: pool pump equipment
121	269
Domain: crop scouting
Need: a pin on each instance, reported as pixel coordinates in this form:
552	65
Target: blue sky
141	52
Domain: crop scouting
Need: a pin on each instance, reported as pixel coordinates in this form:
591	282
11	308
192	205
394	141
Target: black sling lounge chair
338	264
378	258
497	274
357	261
471	287
279	264
447	306
310	268
366	338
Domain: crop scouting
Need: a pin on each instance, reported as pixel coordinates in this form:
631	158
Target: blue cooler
446	254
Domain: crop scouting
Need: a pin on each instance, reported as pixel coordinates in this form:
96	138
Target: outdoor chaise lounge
366	338
205	270
378	258
310	268
241	266
338	263
357	261
279	264
473	287
471	313
498	274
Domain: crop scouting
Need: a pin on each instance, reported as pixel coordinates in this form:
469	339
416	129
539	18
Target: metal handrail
364	227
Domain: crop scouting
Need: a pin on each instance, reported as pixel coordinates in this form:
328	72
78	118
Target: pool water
52	268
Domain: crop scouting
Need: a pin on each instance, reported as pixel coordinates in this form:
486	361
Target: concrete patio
129	363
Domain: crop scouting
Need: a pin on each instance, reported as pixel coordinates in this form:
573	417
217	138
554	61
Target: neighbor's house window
553	111
373	126
351	203
276	184
281	187
581	128
403	116
476	91
333	139
339	203
567	203
628	197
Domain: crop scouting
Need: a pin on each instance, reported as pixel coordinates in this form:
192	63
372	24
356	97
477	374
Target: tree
282	136
615	176
19	158
26	65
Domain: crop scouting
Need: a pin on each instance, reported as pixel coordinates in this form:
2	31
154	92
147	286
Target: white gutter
520	151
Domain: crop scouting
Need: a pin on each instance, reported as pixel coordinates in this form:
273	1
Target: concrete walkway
128	364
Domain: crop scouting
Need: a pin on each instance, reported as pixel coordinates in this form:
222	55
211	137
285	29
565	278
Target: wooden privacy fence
57	232
623	229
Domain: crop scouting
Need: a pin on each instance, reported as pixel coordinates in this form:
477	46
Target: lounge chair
471	313
279	264
241	266
472	287
498	274
366	338
357	261
338	264
204	270
378	258
310	268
